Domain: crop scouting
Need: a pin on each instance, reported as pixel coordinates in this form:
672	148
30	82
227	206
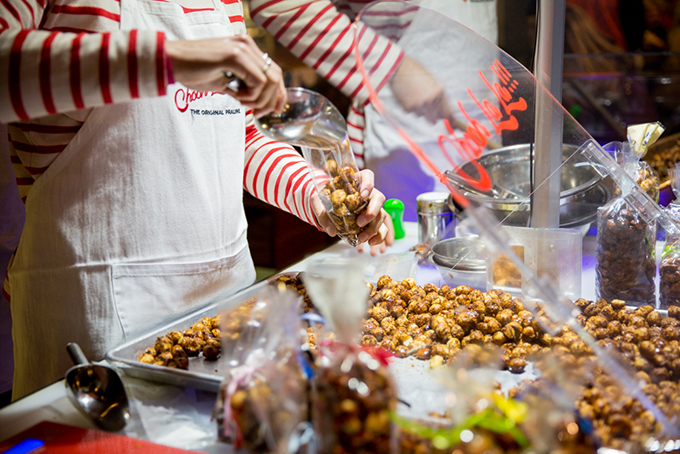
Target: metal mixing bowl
460	261
583	190
462	253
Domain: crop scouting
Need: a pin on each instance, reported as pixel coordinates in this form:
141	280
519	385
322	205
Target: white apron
139	220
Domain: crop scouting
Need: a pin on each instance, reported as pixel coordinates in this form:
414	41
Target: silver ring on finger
267	63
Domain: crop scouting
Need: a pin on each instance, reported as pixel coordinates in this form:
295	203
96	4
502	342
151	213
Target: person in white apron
140	219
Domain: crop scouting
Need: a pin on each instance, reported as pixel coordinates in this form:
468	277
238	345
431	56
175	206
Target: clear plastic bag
648	179
352	400
338	184
353	393
674	174
625	255
264	396
669	272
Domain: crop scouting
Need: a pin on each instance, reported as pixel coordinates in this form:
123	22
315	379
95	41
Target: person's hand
389	239
419	92
202	64
373	217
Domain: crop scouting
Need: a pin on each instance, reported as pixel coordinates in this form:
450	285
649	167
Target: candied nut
546	339
640	334
618	304
636	320
457	331
442	330
423	353
440	350
499	338
512	331
146	358
653	318
436	361
505	316
517	365
674	311
388	343
401	351
423	320
453	344
211	350
368	339
529	334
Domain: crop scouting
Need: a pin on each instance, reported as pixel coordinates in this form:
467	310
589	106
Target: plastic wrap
674	174
353	392
669	272
625	255
264	396
494	94
338	184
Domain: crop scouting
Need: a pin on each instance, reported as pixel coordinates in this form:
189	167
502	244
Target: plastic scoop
308	120
97	391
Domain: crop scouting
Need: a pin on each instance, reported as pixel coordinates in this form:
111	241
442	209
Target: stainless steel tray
202	373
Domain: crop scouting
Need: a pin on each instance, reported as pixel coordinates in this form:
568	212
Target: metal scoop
97	391
308	120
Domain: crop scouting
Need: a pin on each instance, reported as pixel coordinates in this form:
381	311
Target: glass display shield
485	128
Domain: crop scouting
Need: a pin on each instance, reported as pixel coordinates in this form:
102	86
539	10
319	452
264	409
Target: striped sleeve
323	38
65	65
276	174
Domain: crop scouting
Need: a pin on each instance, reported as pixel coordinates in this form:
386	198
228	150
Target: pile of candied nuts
204	337
437	323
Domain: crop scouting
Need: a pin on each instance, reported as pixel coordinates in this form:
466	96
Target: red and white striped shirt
61	58
320	33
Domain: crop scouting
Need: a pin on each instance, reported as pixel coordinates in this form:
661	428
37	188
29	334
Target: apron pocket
148	295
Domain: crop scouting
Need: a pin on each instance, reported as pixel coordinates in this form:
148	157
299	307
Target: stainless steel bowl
460	261
583	190
461	253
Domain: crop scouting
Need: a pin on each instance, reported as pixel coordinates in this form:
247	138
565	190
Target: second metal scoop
97	391
308	120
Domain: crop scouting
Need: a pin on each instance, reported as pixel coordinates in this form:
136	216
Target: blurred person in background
319	32
131	153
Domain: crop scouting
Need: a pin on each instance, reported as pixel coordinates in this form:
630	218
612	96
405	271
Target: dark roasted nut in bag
270	405
625	255
352	400
264	395
669	271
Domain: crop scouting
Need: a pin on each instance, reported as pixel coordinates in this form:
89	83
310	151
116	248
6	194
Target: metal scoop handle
76	354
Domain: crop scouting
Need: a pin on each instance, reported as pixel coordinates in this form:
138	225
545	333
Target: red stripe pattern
320	34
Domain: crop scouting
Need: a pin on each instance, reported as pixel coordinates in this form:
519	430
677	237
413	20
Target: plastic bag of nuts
625	254
265	393
648	180
338	184
669	271
352	400
353	394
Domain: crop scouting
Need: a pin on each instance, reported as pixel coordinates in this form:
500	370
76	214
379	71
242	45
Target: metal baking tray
202	374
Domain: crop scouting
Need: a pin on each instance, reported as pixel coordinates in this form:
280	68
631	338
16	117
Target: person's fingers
367	183
389	239
373	208
281	98
322	217
273	95
379	237
373	228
